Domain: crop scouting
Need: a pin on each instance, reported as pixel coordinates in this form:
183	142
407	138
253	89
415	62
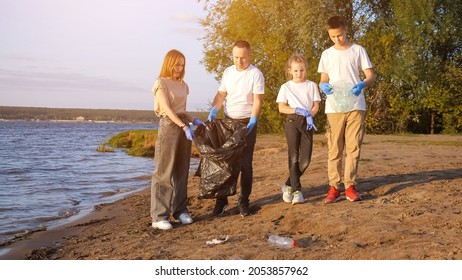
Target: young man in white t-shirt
341	64
241	92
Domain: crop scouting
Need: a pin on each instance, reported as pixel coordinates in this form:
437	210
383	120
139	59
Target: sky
98	54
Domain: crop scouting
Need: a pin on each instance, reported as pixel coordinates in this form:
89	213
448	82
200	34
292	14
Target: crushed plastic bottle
280	241
342	100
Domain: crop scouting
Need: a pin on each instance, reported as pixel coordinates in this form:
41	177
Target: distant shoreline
82	115
73	121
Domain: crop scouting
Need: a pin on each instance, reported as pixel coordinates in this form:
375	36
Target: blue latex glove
189	133
198	122
356	90
302	112
310	123
251	124
326	88
213	114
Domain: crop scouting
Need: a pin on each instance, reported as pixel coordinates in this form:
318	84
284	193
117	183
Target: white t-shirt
240	87
344	65
301	95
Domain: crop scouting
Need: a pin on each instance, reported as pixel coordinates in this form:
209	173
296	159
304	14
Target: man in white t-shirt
241	92
340	65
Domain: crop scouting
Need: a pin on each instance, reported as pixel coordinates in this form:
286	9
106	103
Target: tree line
46	114
109	115
415	47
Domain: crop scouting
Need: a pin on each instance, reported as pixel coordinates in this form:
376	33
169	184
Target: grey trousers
170	178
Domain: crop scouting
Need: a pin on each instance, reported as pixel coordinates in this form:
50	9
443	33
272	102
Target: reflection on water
50	172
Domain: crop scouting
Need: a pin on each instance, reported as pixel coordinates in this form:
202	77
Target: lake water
50	172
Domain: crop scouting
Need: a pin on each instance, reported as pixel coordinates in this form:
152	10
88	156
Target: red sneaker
332	196
351	194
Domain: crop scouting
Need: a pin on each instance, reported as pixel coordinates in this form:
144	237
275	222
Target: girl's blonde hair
296	57
169	62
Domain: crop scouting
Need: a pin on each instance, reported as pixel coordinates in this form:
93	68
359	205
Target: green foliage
415	47
139	143
429	48
135	142
275	29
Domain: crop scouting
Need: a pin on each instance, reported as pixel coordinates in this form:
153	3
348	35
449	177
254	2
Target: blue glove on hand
302	112
251	124
356	90
189	133
198	122
213	114
326	88
310	123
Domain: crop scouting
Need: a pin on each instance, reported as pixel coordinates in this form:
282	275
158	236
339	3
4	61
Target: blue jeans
169	181
300	147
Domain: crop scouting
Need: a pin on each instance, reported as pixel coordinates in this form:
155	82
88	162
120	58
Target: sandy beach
411	209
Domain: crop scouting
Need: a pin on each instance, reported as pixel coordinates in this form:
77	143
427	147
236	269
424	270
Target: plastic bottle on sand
280	241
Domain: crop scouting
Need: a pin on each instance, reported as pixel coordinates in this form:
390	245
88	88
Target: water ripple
51	172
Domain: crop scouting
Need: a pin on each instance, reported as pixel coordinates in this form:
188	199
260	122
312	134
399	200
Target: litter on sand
217	240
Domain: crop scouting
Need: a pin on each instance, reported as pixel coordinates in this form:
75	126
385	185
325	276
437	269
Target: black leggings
300	146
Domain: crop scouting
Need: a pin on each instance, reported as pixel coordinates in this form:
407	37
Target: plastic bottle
280	241
344	100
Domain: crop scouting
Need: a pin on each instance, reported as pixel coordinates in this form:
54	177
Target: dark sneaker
243	209
351	194
332	196
220	207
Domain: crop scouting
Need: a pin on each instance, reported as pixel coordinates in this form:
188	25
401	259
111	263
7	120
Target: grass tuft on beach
140	143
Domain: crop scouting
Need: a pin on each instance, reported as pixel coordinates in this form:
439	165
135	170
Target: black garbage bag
220	144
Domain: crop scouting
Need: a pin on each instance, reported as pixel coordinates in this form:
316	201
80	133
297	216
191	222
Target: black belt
244	121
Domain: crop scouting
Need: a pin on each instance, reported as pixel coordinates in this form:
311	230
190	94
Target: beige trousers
344	132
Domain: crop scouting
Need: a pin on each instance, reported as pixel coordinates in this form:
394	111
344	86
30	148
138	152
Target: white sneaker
185	218
164	225
286	193
298	198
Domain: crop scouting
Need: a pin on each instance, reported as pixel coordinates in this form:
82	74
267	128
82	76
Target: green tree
415	47
428	62
275	29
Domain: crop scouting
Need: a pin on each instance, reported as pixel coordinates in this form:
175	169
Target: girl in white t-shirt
299	99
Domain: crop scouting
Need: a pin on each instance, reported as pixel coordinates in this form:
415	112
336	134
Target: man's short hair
242	44
335	22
